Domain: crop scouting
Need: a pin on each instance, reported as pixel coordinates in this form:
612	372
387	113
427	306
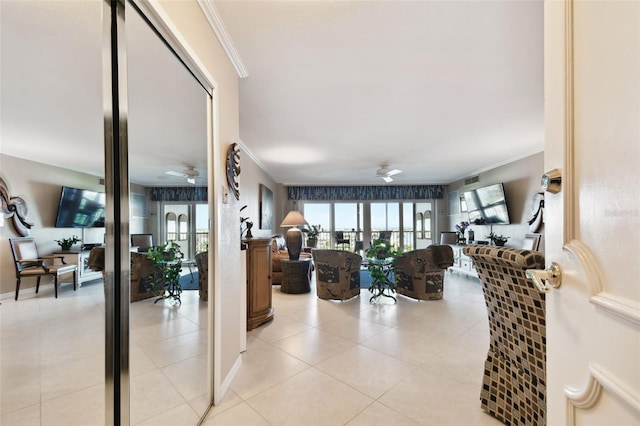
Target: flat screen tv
80	208
487	205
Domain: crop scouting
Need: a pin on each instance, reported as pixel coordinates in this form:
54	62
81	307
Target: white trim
587	398
245	149
226	383
624	308
159	19
217	25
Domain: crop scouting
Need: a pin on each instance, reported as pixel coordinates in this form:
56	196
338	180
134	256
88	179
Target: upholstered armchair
278	252
337	273
202	263
514	383
420	273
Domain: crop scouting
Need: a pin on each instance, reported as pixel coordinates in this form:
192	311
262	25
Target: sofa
278	252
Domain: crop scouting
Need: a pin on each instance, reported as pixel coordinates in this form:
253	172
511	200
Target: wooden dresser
259	306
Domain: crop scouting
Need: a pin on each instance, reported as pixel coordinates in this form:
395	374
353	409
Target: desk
295	276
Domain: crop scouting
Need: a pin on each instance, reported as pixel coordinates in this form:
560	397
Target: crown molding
215	22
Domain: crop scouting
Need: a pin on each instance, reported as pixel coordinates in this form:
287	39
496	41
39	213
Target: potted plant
168	262
497	240
66	243
312	235
381	264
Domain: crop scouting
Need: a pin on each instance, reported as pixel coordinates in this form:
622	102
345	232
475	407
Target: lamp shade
294	218
294	235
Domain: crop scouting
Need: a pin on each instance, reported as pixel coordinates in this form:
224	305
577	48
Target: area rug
188	283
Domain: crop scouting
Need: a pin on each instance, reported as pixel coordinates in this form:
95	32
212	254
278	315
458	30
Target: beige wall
521	181
191	23
40	186
251	177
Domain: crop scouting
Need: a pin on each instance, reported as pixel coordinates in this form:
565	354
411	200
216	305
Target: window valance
365	193
182	193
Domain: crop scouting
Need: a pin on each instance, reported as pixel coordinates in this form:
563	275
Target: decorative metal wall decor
16	208
233	169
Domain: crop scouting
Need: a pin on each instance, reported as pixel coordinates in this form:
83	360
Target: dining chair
29	264
341	240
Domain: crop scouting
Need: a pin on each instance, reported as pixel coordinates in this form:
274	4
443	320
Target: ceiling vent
472	179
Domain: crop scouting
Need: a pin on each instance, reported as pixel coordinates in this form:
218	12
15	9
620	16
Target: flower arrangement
66	243
461	227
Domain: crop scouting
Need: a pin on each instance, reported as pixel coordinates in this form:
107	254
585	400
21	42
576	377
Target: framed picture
531	242
266	208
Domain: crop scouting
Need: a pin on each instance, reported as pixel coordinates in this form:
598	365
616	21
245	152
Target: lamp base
293	238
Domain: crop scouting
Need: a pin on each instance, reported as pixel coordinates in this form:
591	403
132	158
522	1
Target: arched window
419	226
183	227
171	224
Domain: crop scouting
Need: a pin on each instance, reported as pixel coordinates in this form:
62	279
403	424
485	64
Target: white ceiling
440	90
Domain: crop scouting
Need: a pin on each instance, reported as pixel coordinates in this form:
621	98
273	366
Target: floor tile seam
279	382
255	410
318	362
358	342
389	355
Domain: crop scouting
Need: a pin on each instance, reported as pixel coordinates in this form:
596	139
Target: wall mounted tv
80	208
487	205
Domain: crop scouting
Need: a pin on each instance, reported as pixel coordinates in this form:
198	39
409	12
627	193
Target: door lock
552	275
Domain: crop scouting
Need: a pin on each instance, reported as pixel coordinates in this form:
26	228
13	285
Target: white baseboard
226	383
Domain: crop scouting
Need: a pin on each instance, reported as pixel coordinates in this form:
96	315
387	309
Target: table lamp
294	234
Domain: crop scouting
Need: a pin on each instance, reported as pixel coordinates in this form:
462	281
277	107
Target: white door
592	115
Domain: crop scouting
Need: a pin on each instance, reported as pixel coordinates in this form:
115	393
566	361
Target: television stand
81	259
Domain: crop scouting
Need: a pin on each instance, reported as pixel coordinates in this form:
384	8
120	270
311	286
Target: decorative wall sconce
233	169
16	208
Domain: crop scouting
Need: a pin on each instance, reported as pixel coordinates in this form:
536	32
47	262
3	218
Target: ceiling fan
384	173
190	173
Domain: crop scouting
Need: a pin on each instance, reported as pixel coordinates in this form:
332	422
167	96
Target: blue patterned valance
365	193
179	193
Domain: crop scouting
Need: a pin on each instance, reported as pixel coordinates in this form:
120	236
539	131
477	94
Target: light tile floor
324	362
318	362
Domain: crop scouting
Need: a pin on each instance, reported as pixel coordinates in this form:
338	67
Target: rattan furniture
514	384
295	276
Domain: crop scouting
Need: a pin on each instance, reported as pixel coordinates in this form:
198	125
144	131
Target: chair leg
17	287
75	280
37	284
55	284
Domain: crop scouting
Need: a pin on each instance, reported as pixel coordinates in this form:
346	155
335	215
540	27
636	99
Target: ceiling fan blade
393	172
174	173
387	179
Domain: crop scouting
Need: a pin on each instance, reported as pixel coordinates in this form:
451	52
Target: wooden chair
514	384
29	264
337	273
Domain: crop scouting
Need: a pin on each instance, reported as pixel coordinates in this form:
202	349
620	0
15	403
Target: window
171	224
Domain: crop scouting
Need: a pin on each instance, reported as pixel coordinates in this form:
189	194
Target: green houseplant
168	262
381	262
66	243
312	235
497	240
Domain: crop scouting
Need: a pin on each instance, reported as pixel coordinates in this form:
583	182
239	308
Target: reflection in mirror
167	133
171	221
51	350
183	227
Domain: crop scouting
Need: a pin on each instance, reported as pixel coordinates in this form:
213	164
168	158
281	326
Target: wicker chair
420	273
514	383
337	273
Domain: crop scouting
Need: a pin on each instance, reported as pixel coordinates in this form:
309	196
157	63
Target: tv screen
80	208
487	205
